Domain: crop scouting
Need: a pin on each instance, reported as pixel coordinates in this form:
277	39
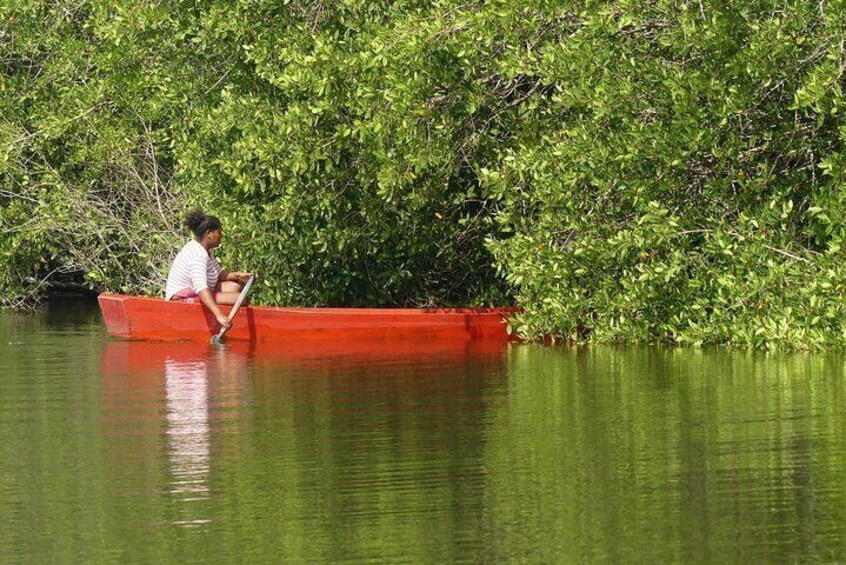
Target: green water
119	452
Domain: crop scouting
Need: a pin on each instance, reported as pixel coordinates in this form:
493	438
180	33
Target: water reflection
328	410
415	452
186	385
191	384
671	455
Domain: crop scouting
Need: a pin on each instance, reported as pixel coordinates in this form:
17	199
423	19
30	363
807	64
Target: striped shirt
193	268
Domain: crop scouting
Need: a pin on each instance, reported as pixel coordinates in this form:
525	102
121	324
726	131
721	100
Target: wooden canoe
135	317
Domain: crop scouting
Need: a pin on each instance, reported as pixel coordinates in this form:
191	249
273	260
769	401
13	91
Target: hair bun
194	219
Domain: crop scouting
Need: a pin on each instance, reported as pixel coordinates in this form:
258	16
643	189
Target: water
129	452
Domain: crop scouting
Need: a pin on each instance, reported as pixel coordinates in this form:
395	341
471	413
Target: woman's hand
223	320
239	277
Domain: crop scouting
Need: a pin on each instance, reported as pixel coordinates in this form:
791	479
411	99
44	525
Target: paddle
218	339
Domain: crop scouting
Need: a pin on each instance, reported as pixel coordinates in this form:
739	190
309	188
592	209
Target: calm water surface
129	452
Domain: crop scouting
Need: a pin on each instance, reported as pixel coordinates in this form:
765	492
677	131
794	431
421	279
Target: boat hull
134	317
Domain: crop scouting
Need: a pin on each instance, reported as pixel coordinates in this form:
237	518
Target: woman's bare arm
207	298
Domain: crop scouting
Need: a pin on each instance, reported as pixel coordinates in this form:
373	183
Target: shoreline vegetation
625	171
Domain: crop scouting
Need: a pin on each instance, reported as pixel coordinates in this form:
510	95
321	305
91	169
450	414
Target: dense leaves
628	171
684	177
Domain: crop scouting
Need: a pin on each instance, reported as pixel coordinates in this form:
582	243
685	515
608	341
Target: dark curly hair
199	223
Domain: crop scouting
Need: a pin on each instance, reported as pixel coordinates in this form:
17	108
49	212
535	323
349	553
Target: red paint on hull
135	317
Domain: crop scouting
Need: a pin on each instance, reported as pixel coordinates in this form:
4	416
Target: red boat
136	317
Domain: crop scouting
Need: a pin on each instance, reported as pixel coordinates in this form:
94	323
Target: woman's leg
229	286
226	297
227	293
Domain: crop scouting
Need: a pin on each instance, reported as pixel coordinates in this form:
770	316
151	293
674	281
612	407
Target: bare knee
230	286
226	298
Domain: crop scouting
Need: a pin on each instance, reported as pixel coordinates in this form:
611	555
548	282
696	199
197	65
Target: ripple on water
394	452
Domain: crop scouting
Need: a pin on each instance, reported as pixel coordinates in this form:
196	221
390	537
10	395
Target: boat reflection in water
142	380
284	410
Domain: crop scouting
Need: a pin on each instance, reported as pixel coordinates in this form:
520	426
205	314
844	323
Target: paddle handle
237	305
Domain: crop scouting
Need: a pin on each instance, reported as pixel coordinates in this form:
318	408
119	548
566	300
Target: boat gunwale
320	310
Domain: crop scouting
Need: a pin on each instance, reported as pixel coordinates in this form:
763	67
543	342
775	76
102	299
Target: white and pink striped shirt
193	268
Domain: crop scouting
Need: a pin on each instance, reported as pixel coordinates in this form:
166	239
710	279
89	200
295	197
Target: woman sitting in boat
196	274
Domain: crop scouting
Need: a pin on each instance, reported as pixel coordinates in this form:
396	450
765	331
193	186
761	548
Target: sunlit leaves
686	184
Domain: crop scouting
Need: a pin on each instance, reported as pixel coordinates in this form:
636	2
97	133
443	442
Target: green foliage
86	194
681	179
337	177
343	150
629	171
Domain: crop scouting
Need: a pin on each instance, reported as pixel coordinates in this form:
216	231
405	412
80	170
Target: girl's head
204	227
